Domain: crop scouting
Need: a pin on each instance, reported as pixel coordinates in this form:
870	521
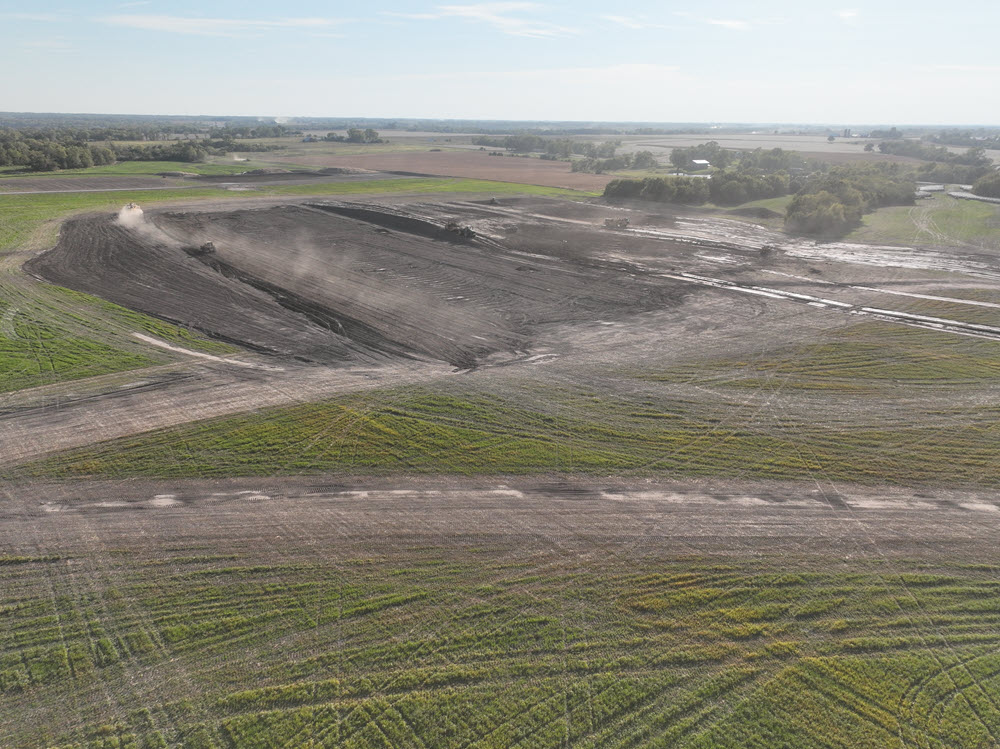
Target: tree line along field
232	621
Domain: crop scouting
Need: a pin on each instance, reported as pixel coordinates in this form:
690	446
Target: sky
774	61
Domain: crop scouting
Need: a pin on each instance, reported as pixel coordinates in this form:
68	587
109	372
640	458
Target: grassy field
145	168
720	418
939	220
492	644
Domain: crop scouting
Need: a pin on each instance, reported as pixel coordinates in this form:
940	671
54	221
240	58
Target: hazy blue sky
881	61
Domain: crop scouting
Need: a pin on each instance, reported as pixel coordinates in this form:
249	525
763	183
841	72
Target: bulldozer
465	232
616	223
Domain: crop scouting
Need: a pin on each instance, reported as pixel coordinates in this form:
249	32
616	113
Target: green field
664	428
939	220
142	168
476	645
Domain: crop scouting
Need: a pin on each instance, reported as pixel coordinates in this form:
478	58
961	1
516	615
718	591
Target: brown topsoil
467	164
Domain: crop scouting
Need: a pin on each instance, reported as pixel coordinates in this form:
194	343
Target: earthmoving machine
616	223
461	230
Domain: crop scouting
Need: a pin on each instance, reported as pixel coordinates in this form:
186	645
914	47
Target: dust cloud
131	216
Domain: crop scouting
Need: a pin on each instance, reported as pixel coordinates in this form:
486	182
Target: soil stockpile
336	282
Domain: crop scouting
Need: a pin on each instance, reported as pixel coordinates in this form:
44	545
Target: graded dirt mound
333	282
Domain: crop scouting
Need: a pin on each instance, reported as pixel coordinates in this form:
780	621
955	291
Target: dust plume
131	216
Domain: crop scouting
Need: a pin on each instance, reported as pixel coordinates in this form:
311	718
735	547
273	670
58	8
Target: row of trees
47	156
640	160
828	201
683	190
59	148
356	135
562	148
927	152
832	204
988	185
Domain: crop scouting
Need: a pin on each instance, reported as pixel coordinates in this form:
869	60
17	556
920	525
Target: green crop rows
482	646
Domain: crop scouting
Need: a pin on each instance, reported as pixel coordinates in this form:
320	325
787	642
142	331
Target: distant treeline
639	160
978	138
48	154
833	204
943	166
562	148
356	135
917	150
828	200
59	150
988	186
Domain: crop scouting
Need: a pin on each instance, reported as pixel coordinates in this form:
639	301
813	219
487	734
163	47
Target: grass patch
455	646
865	358
144	168
939	220
456	429
37	353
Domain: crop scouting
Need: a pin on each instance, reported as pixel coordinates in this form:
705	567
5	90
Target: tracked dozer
461	230
616	223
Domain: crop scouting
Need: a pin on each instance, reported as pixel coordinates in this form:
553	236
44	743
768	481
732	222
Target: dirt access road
560	516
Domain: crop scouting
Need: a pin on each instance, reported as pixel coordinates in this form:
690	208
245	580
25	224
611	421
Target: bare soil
368	517
467	164
330	297
337	282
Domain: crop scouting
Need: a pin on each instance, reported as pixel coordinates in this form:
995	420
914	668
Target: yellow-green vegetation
427	185
60	335
141	168
492	645
939	220
872	358
712	418
37	353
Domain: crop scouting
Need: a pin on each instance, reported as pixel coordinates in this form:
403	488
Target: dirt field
336	282
329	298
468	164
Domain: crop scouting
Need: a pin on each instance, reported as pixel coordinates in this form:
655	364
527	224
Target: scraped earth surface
329	297
465	164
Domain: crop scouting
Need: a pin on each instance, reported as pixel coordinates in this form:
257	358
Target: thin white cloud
733	24
135	4
959	68
46	44
633	72
505	17
729	23
638	23
215	26
847	15
37	17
